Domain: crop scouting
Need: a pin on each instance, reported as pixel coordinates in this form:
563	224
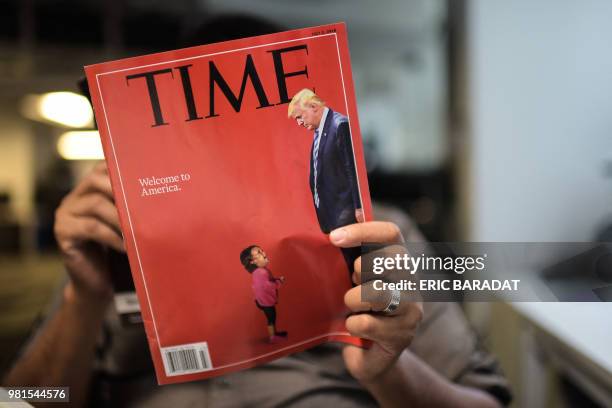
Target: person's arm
273	284
391	373
62	353
411	382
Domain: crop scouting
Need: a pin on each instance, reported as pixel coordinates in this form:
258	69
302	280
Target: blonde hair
302	98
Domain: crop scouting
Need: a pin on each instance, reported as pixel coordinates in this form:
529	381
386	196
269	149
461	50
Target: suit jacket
336	177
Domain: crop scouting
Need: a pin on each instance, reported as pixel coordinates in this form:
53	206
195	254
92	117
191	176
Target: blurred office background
483	120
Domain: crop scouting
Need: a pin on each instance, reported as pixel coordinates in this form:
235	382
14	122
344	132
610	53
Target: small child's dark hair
246	258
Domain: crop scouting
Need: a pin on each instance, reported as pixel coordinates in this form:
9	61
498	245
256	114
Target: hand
359	215
391	334
281	279
86	224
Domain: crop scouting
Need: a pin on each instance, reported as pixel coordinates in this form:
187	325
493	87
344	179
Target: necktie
315	155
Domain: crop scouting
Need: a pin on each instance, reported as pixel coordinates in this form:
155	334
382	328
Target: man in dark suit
333	180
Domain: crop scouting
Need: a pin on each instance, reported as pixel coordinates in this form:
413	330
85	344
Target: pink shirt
265	287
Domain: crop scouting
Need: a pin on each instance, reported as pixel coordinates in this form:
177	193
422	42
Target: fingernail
338	235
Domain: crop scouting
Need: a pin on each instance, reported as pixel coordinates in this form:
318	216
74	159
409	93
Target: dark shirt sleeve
345	147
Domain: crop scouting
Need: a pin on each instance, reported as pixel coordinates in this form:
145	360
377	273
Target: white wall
540	89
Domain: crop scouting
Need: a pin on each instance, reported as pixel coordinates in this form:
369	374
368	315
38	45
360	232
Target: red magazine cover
230	164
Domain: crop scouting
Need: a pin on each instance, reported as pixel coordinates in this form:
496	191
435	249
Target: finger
374	231
389	251
95	230
100	182
96	205
365	298
96	181
100	167
357	271
390	331
352	300
83	229
410	303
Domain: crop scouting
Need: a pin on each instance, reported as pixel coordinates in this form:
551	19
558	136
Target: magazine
230	164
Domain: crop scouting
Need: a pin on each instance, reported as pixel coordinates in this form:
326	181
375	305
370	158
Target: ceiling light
65	108
80	145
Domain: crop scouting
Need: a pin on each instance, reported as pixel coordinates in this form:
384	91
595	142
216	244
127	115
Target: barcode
186	359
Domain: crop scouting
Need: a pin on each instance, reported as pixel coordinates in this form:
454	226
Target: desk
575	338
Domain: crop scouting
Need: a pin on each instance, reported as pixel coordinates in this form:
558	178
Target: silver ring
393	303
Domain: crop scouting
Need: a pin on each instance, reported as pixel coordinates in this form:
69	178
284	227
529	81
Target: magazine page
230	164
